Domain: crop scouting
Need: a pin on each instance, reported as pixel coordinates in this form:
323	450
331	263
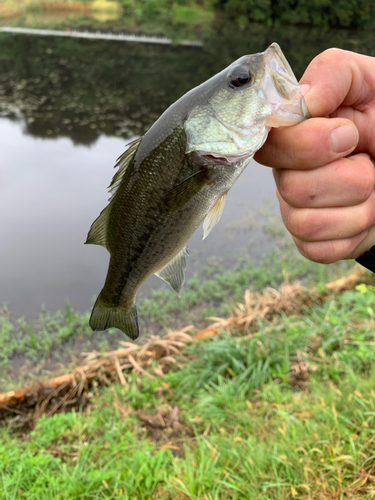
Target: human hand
327	198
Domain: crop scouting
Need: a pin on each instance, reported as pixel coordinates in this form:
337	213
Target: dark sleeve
368	259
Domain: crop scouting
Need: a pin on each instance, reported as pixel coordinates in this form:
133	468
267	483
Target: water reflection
49	193
51	190
82	88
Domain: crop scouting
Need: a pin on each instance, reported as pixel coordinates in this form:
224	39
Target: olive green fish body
139	222
178	174
159	218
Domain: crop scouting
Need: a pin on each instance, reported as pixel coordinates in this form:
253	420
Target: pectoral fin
174	272
213	215
180	195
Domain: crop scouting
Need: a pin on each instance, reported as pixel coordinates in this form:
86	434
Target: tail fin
105	316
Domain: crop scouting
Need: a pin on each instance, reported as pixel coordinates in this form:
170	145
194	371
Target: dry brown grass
289	299
71	390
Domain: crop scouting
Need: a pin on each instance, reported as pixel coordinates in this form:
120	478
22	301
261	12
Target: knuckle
369	216
287	186
366	181
330	56
290	220
366	214
304	224
361	218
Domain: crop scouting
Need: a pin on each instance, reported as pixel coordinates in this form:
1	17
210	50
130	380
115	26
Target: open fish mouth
282	90
276	60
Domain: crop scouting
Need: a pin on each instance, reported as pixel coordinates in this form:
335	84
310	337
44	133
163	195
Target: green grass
257	431
55	341
215	288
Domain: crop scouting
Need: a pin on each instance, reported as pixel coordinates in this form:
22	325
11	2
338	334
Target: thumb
332	79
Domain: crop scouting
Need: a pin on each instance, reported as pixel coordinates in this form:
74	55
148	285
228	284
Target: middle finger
321	224
344	182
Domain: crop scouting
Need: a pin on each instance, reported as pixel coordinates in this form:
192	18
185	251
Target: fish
178	174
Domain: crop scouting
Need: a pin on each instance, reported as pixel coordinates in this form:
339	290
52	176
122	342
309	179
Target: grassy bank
54	342
285	409
176	20
130	12
11	8
324	13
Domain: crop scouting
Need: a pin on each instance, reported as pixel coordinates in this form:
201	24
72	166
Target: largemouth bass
179	173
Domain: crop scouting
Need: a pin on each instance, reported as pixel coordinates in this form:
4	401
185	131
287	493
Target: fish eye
239	77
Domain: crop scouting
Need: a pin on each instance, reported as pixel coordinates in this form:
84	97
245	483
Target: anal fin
214	214
174	272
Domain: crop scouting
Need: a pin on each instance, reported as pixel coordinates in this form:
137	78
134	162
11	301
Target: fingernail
305	88
344	138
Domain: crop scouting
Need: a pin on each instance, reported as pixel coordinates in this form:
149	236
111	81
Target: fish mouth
275	58
282	90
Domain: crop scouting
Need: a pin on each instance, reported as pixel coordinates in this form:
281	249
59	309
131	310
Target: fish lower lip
216	159
229	160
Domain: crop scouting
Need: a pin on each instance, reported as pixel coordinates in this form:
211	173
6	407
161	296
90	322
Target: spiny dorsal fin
122	164
98	231
213	215
174	272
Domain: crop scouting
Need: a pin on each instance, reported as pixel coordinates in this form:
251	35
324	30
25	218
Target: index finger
338	78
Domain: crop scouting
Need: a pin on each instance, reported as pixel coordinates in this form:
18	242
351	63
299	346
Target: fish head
245	100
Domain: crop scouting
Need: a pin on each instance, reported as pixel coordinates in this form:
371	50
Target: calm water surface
67	110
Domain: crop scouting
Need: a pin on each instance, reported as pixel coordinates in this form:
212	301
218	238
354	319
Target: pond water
51	190
68	108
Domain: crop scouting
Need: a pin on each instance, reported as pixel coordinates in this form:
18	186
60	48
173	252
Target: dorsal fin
98	231
122	164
